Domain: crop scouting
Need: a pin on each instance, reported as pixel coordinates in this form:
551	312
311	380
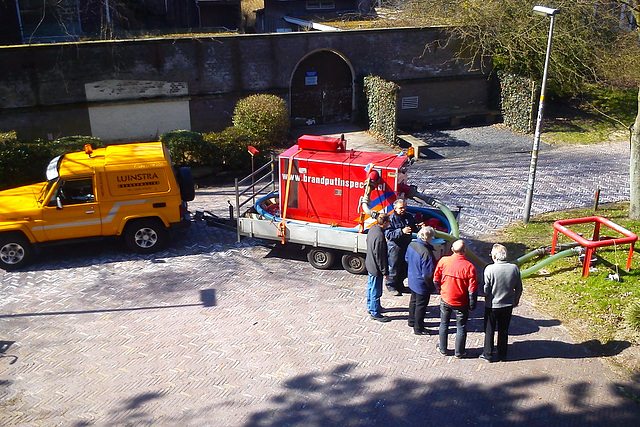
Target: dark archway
322	89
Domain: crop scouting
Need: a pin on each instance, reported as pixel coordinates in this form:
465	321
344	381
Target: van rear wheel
146	235
15	252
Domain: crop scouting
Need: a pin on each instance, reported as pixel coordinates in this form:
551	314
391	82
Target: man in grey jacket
502	289
377	266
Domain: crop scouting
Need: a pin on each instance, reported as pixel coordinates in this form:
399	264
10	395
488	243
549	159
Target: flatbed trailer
324	244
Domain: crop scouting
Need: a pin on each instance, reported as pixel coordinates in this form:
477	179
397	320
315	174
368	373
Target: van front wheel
15	252
146	235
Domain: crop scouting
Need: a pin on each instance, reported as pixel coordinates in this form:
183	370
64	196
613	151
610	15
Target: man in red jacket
455	279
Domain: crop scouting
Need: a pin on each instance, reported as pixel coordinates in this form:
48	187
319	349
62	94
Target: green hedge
381	107
23	163
259	120
186	147
518	101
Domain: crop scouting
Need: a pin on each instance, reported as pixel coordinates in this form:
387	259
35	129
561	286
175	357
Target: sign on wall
132	115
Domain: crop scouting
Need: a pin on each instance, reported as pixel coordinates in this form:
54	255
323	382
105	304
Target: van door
72	211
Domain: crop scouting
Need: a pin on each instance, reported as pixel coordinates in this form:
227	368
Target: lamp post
550	13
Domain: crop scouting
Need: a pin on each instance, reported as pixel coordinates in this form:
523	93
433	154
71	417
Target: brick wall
50	90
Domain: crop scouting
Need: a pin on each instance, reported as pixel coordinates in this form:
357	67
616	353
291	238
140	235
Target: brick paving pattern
212	332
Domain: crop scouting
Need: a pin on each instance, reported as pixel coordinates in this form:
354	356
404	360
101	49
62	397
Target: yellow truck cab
128	190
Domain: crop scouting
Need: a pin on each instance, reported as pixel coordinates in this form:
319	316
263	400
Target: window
75	192
321	5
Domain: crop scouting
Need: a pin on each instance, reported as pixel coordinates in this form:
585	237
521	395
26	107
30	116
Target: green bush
184	146
263	117
231	148
632	315
8	137
69	144
23	163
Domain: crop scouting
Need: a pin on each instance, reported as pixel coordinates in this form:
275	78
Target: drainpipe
20	22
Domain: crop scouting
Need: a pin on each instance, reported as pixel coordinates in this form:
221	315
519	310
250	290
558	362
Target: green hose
453	223
469	253
567	252
531	255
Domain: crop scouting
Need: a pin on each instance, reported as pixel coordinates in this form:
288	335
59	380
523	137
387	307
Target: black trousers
397	265
417	310
500	318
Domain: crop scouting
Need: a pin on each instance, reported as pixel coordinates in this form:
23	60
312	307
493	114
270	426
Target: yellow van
129	190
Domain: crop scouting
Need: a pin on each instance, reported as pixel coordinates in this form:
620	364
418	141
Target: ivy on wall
518	101
382	108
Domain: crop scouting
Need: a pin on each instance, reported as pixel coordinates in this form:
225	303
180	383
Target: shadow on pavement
337	397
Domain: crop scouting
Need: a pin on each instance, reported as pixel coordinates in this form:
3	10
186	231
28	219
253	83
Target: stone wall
57	90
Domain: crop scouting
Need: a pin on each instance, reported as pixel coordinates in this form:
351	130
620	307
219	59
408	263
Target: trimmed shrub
632	315
518	101
8	137
185	147
69	144
23	163
381	107
231	148
265	118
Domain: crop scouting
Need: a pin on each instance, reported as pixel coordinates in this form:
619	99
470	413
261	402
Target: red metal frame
595	242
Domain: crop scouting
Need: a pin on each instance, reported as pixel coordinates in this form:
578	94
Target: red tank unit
322	182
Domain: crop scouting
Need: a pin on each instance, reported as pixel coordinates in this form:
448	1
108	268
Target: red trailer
328	197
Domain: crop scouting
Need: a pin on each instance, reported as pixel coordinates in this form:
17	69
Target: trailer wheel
321	259
354	263
15	251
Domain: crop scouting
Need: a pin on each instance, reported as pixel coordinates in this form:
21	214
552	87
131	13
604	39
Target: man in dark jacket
377	266
402	225
420	265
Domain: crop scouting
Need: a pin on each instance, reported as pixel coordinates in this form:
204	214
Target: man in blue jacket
421	263
402	225
377	266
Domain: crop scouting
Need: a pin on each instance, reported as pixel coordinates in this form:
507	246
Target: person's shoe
411	325
380	318
422	332
461	355
397	293
485	358
442	352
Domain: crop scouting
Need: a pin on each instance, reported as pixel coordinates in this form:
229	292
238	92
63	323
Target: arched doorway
322	89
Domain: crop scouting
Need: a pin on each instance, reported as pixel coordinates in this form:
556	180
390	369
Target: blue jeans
374	292
462	314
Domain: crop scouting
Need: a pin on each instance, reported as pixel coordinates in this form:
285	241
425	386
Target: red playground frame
595	242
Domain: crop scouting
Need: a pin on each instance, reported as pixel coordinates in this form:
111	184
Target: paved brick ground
215	332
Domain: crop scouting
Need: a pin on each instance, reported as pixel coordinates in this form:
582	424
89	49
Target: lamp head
545	11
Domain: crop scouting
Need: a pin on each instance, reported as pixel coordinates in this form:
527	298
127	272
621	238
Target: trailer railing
259	183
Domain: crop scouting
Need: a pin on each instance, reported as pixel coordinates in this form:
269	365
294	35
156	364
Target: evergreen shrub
263	117
186	147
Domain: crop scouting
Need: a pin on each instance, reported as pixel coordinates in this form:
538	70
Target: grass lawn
594	305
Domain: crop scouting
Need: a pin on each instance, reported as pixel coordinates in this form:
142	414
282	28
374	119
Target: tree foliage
507	31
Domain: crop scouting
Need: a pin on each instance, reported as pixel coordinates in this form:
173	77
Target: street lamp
550	13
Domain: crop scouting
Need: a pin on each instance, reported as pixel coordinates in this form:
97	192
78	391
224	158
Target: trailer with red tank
323	196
